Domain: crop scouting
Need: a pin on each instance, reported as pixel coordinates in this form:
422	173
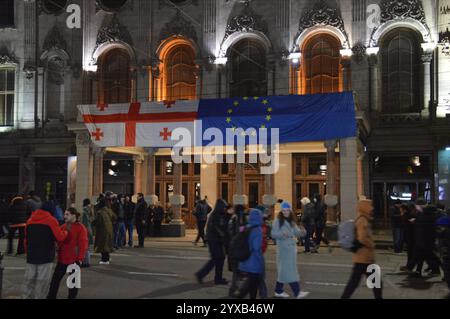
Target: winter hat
305	201
286	205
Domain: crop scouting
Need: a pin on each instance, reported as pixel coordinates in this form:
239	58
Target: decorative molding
427	57
165	3
178	26
113	32
56	70
55	40
29	71
99	6
7	58
322	15
402	9
359	52
83	139
247	21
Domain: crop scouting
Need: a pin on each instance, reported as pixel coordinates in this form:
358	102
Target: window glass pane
314	188
10	109
158	167
2	109
317	165
2	80
225	191
185	167
298	166
224	169
158	190
6	13
298	194
197	168
185	193
10	80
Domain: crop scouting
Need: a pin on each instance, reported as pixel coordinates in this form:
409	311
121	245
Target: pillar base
331	231
176	200
240	200
172	231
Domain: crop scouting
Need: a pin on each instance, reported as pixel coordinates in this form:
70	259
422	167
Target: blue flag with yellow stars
299	118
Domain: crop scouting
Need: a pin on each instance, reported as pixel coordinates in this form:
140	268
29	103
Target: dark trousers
319	236
309	230
251	286
446	268
140	228
429	256
398	236
201	230
58	275
410	253
157	228
217	261
20	247
358	271
295	286
130	227
105	257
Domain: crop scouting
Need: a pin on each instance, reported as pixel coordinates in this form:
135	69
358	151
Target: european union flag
299	118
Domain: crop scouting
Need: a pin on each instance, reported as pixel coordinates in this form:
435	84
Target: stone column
269	198
284	178
239	198
177	200
138	174
348	178
27	172
346	68
374	83
97	180
208	182
150	179
331	197
83	188
427	57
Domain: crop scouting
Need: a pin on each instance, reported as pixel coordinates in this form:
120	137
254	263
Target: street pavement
165	269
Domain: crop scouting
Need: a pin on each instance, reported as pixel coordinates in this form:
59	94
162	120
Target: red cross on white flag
138	124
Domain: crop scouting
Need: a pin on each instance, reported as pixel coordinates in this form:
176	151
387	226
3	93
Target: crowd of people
237	234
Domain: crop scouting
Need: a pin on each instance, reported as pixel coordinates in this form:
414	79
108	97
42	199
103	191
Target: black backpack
240	247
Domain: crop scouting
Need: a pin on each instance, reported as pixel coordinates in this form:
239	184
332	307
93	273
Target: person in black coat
397	227
140	214
425	239
129	208
158	217
3	217
408	214
202	209
17	218
216	234
320	215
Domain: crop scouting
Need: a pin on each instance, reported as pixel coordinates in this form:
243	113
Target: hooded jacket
365	254
255	264
73	248
41	232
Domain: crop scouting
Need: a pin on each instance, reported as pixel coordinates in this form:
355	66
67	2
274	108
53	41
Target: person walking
320	213
408	216
71	251
17	217
215	236
285	231
253	268
86	220
236	224
308	220
158	217
119	226
202	209
140	213
103	224
129	208
364	251
397	225
42	231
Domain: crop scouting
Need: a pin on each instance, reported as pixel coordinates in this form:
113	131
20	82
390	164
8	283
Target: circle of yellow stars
265	104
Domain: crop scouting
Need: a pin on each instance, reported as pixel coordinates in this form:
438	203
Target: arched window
400	54
115	78
321	69
248	69
180	73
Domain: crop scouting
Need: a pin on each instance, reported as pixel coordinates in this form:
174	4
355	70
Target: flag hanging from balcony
299	118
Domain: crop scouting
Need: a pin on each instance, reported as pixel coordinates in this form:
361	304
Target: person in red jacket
71	251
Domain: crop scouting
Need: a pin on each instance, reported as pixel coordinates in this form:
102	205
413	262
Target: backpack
240	246
347	235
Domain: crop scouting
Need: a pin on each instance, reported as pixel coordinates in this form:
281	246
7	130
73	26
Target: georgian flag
138	124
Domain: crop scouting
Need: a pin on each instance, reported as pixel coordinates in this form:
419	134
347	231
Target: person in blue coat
254	266
285	231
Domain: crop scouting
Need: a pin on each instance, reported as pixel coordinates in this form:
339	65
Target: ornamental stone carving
402	9
113	32
6	57
55	40
245	22
178	26
321	15
359	52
